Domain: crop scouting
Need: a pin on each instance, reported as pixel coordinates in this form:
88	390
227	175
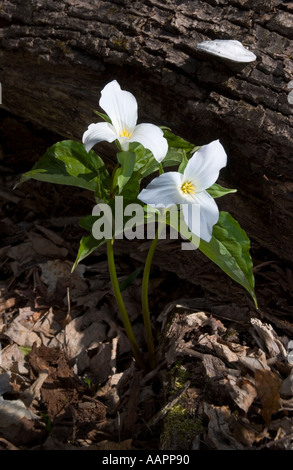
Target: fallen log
57	56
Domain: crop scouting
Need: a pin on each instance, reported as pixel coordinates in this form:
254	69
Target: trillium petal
98	133
120	106
163	190
209	215
152	138
204	166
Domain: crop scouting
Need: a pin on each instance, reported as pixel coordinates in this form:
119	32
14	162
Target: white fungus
228	49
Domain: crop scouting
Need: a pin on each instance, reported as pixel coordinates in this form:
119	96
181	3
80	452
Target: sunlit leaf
87	246
229	249
123	174
218	191
177	142
105	117
68	163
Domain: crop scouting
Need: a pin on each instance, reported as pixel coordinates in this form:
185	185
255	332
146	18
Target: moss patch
180	429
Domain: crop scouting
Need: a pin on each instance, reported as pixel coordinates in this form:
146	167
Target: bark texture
56	56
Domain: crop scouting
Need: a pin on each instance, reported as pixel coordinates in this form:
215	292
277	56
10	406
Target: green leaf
177	142
105	117
175	219
86	247
146	164
174	157
67	162
229	249
131	189
88	221
123	174
25	349
130	279
183	163
218	191
178	149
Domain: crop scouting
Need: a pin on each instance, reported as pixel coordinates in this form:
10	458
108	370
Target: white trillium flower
121	108
201	172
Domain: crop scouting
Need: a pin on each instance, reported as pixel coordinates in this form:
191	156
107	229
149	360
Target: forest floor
224	375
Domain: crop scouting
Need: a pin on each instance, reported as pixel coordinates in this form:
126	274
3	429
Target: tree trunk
57	56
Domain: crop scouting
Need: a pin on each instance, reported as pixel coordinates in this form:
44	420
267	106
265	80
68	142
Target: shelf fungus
227	49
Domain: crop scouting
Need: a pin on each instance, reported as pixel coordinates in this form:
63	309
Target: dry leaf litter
224	377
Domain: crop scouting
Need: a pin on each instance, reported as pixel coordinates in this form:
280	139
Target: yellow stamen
124	132
188	188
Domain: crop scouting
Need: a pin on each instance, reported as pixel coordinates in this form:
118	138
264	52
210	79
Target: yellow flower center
124	132
188	188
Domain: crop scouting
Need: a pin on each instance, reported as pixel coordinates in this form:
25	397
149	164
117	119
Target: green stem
145	303
121	305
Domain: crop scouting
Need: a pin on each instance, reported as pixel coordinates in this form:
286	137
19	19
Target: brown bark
56	56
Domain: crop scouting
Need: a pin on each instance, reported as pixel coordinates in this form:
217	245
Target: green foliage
124	172
229	249
218	191
117	212
87	245
130	279
103	116
68	163
145	162
47	420
174	141
25	349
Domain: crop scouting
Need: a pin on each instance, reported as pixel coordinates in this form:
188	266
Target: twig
163	412
152	374
276	441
